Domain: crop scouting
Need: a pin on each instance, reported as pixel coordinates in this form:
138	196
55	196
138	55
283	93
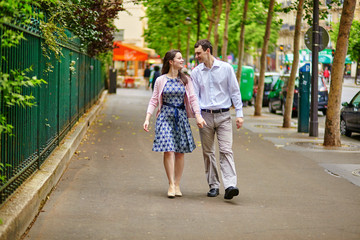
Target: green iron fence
66	96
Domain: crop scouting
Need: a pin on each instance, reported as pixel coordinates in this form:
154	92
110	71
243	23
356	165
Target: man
217	89
154	75
326	74
147	73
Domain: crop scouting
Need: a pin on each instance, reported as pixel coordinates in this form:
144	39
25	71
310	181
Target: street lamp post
314	124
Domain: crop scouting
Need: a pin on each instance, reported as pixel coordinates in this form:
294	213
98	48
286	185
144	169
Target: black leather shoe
231	192
213	192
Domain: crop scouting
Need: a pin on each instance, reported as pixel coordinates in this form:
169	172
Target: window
356	101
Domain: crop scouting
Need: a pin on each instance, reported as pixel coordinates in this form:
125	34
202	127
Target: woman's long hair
170	55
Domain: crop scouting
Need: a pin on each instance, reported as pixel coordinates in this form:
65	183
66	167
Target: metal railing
59	104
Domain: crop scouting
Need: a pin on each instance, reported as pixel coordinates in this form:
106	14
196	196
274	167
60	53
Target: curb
22	207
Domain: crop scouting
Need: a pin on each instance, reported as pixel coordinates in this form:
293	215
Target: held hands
239	122
200	122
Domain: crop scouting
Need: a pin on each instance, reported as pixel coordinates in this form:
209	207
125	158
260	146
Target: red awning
127	52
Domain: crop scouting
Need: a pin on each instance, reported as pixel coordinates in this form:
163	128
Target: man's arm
234	91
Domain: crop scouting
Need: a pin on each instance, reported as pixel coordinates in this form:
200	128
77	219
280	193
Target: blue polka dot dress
168	137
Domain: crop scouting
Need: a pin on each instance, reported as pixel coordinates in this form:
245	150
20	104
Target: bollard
112	84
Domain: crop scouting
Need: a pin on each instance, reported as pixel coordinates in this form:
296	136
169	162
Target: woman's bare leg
169	163
179	168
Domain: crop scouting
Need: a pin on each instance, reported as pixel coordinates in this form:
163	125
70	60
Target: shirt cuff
239	113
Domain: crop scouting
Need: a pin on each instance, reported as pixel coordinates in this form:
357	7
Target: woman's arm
192	97
153	103
146	123
154	100
195	104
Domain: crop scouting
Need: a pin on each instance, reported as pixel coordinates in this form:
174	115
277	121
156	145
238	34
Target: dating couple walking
207	95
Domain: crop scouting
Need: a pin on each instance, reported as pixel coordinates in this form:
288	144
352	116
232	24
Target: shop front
129	61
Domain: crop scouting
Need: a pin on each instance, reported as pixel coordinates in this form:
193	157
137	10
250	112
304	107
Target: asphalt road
348	92
115	186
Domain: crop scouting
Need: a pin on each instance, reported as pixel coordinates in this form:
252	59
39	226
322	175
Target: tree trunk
211	21
241	42
216	27
188	48
226	35
259	96
198	21
179	39
332	123
291	85
357	71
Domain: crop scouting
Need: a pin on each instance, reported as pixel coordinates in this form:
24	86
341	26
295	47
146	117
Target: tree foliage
167	29
90	20
242	41
93	23
13	82
259	96
354	39
354	42
308	9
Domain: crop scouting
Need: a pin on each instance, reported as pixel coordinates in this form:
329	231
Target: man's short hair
156	68
205	44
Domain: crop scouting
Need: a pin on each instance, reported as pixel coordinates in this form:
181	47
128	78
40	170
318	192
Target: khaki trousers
221	125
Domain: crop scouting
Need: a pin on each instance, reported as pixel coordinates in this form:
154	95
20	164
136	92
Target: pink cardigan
190	99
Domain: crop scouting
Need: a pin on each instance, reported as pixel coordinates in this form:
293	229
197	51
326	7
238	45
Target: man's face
201	55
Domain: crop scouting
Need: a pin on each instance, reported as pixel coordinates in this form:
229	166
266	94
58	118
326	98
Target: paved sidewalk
115	186
350	81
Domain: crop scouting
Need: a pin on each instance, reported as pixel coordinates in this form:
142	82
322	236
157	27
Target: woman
177	101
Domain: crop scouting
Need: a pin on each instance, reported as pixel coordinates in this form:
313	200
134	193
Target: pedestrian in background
174	94
326	74
217	89
147	73
155	76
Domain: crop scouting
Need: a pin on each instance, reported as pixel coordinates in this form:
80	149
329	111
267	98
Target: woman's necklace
170	76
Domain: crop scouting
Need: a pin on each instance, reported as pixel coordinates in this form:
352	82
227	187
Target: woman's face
177	62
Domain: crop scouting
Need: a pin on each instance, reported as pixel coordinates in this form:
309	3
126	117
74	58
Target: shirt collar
216	63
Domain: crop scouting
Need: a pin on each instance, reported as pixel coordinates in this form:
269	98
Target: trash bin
112	77
247	84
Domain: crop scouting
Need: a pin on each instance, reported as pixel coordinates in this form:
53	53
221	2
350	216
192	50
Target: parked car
278	92
350	116
269	81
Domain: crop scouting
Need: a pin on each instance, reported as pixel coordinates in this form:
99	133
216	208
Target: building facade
131	24
286	35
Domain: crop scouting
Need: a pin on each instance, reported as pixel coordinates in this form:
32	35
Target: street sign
305	68
323	37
